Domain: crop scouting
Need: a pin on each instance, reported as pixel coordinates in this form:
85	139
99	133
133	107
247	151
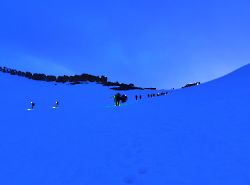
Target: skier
140	97
32	105
57	104
117	99
136	97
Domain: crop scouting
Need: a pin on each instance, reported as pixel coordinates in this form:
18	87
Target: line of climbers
118	99
139	97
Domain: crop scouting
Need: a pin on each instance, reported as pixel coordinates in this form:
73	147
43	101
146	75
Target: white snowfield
194	136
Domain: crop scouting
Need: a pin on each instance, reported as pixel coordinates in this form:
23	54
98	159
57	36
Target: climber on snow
57	104
117	99
120	98
32	105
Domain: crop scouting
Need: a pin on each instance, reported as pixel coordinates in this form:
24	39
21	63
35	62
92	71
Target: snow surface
197	135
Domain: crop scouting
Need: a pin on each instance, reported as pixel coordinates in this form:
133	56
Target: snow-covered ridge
197	135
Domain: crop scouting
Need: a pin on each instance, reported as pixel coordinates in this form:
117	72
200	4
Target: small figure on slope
57	104
117	99
32	105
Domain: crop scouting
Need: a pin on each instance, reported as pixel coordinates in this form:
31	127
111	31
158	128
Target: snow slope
197	135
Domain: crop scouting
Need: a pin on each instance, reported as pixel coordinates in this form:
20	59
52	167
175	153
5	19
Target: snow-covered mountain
198	135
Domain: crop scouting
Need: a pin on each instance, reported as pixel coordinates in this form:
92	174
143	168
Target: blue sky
161	43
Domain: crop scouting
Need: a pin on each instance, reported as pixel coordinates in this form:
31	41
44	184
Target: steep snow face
198	135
